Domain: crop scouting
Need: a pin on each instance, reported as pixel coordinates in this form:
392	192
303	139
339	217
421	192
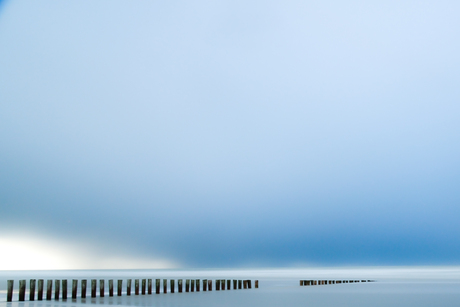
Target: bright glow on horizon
33	253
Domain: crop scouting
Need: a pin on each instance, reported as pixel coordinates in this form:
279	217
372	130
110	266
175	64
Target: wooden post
205	284
40	290
128	286
57	286
32	290
171	285
217	284
22	290
192	285
110	287
136	286
119	287
74	288
210	285
83	288
249	284
179	285
256	284
157	286
149	286
229	284
240	282
222	284
144	284
187	285
198	285
64	289
301	282
235	284
245	284
165	286
49	289
9	295
93	287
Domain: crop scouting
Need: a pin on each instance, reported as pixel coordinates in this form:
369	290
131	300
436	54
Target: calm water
403	286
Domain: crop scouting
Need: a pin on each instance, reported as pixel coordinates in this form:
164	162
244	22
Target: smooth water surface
403	286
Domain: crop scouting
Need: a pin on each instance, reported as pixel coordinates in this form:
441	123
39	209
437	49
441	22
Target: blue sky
233	134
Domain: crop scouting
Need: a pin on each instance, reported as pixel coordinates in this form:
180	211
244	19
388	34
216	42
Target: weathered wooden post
165	286
217	284
9	295
301	282
119	287
74	288
93	287
256	284
192	285
157	286
229	284
198	285
149	286
136	286
222	284
249	284
179	285
64	289
205	284
187	285
245	284
49	289
128	286
171	285
22	290
110	287
240	282
83	288
210	285
57	287
235	284
40	290
32	290
144	284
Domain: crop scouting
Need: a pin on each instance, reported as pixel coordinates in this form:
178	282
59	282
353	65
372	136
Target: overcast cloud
228	133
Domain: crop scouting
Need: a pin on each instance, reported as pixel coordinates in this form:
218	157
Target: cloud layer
228	134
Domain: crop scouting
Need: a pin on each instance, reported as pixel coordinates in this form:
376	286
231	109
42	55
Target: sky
211	134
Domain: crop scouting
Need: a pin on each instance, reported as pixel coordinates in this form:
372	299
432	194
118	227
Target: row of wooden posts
311	282
191	285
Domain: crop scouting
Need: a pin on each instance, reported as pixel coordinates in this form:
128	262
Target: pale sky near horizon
228	133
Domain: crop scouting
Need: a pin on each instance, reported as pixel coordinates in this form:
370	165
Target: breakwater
312	282
141	287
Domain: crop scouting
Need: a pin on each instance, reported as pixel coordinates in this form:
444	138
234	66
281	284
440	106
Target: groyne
141	287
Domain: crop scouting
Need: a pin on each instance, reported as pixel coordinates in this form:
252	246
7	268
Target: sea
391	286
